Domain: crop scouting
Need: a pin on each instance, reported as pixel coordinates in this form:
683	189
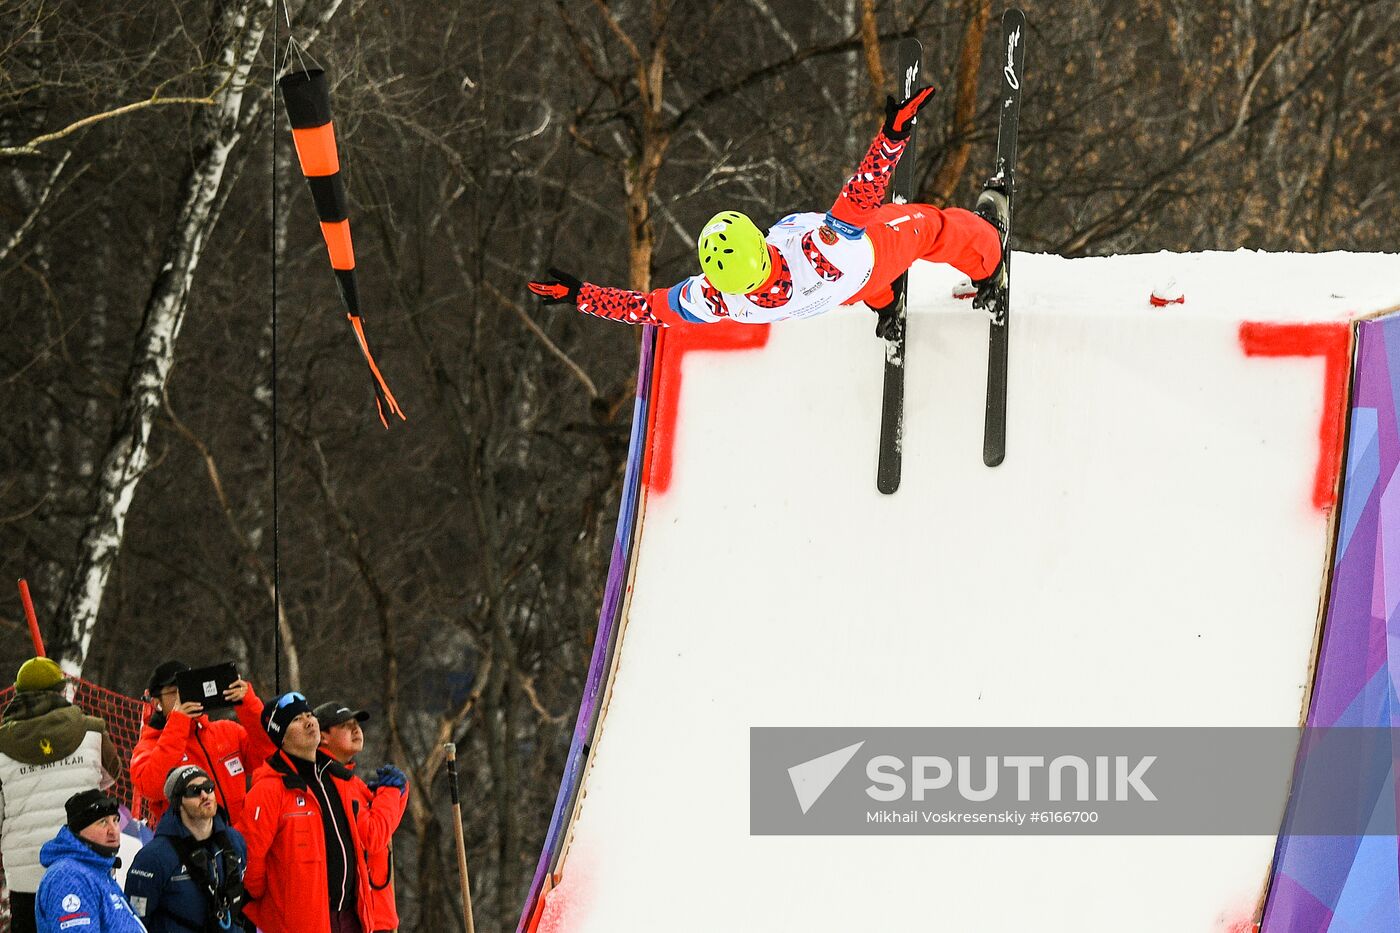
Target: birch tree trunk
236	37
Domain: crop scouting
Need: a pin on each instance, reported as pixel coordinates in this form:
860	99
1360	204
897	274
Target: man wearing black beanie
78	892
301	822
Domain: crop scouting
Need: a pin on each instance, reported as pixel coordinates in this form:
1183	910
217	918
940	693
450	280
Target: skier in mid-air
810	263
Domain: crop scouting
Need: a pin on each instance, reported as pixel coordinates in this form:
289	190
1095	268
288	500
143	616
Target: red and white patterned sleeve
626	306
690	301
865	190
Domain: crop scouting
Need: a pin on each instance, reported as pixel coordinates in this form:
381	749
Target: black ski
1013	34
909	56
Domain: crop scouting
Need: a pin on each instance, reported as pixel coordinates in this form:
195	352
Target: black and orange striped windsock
308	100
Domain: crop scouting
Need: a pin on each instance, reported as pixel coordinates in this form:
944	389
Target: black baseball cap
164	676
336	712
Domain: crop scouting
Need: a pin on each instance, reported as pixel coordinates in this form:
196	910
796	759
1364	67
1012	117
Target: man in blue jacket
78	893
189	878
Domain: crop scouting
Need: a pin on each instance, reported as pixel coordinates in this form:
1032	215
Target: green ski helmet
733	253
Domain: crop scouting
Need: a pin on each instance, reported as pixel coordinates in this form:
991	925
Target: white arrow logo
810	779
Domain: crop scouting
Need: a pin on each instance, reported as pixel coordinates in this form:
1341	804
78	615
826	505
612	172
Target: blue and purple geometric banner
1351	884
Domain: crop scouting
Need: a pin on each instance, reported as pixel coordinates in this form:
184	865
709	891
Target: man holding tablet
180	732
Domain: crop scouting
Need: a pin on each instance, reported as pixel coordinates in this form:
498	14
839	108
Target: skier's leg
965	241
904	233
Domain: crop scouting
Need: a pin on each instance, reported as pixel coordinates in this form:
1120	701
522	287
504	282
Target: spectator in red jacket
306	829
180	733
343	739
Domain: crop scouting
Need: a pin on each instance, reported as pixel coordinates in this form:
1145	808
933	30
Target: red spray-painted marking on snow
1332	341
673	344
551	911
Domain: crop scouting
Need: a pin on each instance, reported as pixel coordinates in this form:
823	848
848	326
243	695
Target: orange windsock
308	99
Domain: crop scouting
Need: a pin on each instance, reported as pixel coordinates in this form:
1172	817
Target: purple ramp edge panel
605	641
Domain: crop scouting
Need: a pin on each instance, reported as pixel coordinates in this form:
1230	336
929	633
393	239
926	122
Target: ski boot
993	208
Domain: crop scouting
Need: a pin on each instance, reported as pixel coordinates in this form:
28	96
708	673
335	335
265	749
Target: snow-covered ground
1150	553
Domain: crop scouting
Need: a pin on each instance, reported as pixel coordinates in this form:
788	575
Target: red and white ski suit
851	254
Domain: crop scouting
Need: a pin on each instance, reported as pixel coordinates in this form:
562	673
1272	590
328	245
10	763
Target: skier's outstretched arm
660	307
865	190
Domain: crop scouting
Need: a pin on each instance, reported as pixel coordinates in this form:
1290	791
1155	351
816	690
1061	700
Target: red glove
900	117
561	288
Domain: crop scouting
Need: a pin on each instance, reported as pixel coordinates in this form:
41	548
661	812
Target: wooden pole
461	840
33	619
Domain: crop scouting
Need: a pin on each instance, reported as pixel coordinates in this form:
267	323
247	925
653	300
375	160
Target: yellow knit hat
38	674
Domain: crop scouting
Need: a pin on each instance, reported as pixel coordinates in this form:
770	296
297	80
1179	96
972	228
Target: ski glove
559	288
886	316
899	117
389	776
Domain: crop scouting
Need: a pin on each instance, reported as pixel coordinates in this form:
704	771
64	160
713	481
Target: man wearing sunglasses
189	878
